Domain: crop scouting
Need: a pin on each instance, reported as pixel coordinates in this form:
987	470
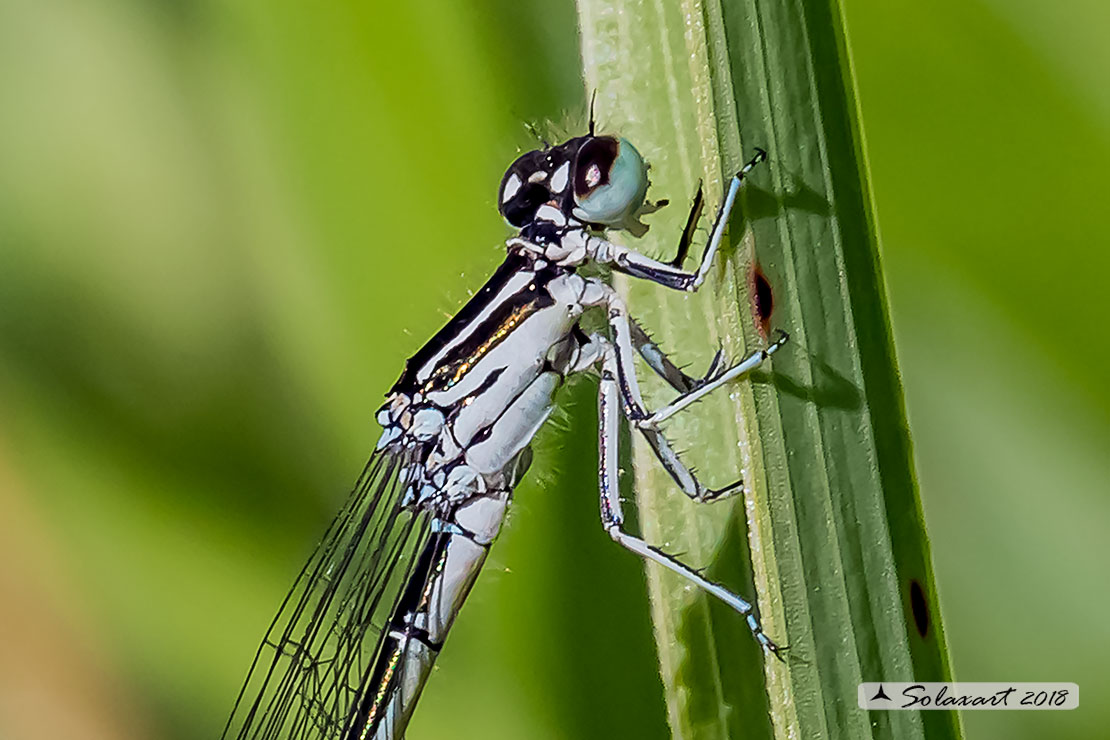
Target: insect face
597	180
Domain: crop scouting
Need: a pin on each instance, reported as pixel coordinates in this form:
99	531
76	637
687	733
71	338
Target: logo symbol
880	694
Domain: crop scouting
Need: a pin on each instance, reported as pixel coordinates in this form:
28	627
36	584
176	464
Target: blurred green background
224	226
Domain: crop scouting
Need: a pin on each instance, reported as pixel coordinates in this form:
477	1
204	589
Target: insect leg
664	367
749	363
671	275
612	517
634	408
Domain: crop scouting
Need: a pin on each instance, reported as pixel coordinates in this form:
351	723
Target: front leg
633	263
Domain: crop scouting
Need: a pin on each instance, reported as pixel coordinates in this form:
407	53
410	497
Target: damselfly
354	642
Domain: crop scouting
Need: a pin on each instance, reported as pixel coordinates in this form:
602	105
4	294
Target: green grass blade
830	514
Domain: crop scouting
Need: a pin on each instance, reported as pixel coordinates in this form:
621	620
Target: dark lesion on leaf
762	300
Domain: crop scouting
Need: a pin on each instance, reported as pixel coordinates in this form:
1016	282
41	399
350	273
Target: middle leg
599	294
658	361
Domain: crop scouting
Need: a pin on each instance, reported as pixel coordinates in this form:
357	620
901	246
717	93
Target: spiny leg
649	425
634	406
633	263
612	516
749	363
723	213
658	361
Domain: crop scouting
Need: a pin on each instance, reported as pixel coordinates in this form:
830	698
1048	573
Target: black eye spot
592	165
920	608
521	208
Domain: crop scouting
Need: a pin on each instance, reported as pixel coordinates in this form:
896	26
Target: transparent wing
312	667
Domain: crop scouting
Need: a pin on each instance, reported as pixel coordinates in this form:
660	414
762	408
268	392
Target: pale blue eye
610	181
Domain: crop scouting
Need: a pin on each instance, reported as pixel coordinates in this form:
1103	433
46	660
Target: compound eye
610	181
593	164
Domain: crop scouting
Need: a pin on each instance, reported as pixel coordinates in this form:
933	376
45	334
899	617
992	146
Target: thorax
479	389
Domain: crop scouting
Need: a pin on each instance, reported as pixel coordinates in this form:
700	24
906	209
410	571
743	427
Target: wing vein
315	662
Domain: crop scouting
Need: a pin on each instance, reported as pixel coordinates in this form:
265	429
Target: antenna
593	100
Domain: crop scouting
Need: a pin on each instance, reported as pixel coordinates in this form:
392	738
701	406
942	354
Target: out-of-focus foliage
988	129
224	226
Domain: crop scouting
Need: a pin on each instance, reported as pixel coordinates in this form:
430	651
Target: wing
313	666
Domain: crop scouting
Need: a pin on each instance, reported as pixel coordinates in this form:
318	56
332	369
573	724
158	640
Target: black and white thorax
479	391
476	394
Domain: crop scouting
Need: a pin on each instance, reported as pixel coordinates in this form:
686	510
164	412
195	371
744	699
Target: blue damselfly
354	641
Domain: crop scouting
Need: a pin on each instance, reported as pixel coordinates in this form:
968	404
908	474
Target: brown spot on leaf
762	300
